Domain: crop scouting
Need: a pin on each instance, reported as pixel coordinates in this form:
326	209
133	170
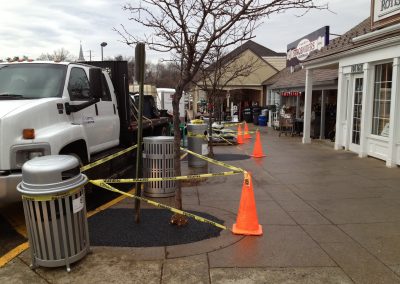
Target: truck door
107	118
100	121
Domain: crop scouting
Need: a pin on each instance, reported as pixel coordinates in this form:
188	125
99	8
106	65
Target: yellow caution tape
192	134
108	158
197	121
215	162
225	131
53	196
232	124
190	177
220	136
159	205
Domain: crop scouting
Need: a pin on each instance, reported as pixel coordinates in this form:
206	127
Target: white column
366	114
394	115
349	107
339	110
323	108
228	95
269	102
298	106
307	107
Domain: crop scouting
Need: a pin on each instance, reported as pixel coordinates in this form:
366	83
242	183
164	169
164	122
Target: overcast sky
33	27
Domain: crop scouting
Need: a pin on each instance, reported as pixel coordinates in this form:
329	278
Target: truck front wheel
78	150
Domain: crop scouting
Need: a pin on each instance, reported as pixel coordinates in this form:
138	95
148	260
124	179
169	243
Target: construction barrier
104	183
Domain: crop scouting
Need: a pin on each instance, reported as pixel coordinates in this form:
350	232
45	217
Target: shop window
382	96
357	110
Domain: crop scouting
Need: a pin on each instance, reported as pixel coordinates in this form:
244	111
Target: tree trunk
177	146
210	132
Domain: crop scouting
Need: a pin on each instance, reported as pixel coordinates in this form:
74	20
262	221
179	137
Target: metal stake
140	57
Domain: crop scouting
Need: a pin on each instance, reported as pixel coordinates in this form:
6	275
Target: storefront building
287	92
368	99
286	89
245	90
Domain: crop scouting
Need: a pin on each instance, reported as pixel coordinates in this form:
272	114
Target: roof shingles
345	42
286	79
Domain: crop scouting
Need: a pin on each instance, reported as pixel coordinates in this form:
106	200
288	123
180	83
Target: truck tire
77	149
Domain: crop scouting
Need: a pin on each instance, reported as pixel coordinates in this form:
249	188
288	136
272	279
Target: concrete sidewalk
327	216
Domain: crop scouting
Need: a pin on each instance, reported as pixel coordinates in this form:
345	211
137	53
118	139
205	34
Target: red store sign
291	94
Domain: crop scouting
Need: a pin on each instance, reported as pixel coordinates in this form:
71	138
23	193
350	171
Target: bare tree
190	29
58	55
219	69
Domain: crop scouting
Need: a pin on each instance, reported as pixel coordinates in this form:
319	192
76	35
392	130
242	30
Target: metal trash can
158	161
53	198
197	142
247	115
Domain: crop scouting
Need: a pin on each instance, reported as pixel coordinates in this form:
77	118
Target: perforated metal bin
53	198
158	161
197	142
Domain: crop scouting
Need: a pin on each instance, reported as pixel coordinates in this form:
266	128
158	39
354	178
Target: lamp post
103	44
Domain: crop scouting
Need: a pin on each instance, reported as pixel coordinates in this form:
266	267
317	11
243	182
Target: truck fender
78	149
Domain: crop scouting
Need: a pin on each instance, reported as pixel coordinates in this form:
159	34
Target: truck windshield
31	81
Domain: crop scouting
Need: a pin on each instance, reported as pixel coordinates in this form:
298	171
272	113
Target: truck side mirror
96	86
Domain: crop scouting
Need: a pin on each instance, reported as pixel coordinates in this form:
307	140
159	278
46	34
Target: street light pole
90	54
103	44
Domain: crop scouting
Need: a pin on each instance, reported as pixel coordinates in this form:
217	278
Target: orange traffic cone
247	220
240	135
246	131
258	151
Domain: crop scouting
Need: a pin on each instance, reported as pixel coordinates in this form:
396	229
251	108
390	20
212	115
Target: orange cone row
247	219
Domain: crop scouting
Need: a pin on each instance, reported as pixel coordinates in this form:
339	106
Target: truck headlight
22	153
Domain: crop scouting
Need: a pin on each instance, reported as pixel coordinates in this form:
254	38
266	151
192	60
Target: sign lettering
384	13
357	68
301	49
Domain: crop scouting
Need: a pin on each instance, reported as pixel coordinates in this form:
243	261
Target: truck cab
53	108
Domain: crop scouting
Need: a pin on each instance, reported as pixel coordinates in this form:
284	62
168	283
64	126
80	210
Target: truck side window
106	96
78	85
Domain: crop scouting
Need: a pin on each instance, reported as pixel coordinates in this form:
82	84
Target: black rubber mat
9	238
231	157
116	227
98	196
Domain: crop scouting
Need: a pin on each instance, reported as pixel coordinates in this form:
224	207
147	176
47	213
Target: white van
164	101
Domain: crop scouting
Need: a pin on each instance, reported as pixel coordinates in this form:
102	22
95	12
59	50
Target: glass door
356	113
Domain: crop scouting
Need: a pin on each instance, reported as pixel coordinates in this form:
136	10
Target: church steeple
81	58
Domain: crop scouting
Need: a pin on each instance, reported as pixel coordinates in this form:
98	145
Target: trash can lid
155	139
51	174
